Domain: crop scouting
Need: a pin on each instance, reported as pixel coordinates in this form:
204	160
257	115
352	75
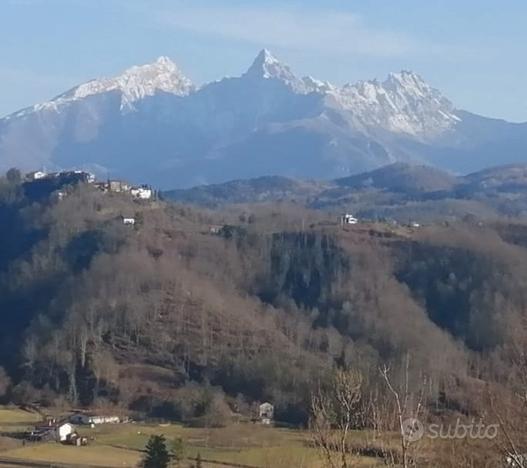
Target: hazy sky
475	51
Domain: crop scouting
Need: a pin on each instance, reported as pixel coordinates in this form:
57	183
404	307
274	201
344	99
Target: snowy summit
268	120
267	66
403	103
138	82
133	84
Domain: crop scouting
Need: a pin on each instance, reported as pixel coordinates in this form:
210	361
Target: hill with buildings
399	191
188	313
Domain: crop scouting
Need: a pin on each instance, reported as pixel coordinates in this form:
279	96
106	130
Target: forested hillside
191	313
397	192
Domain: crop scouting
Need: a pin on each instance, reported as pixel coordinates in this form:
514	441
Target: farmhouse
142	193
348	219
266	413
59	432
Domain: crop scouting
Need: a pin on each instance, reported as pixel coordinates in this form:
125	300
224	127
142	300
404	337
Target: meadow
121	445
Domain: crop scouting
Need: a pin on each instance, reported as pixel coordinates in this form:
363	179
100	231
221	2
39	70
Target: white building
348	219
63	431
93	419
128	221
36	175
60	432
142	193
266	413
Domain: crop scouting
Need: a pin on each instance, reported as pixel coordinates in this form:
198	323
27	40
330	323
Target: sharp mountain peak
267	66
267	120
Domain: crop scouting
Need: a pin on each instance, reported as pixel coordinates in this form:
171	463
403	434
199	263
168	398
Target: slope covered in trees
171	318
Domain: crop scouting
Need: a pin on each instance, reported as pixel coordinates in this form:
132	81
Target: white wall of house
63	431
348	219
142	193
266	411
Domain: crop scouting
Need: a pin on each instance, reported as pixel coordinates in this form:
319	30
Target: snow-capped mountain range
134	84
153	123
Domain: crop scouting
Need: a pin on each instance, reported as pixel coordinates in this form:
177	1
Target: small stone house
118	186
266	413
63	431
59	432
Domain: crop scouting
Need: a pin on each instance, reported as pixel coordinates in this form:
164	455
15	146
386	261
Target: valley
263	234
193	316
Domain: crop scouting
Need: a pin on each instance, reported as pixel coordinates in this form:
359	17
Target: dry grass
243	443
14	420
13	416
7	443
121	445
92	455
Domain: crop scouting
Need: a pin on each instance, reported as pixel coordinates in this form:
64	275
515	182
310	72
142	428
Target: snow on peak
267	66
137	82
164	60
403	103
316	86
133	84
405	78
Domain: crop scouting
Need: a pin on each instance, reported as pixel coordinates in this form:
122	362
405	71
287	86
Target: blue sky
474	51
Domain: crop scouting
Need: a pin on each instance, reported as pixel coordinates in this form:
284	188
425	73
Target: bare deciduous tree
335	412
508	401
409	407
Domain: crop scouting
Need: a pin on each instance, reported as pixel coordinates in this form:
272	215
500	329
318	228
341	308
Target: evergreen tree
198	461
157	455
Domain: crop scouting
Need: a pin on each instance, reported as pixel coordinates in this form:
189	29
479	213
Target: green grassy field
92	455
121	445
243	444
14	420
10	416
